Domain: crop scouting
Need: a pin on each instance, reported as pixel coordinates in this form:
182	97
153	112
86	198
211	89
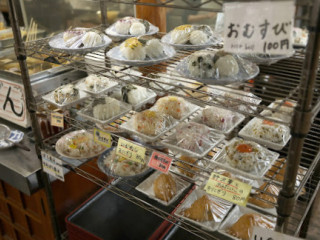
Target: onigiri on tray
215	67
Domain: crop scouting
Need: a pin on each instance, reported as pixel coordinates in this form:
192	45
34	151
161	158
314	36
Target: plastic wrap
126	73
233	176
217	67
96	85
129	26
192	139
192	37
246	158
282	110
187	166
176	107
134	95
160	80
267	133
198	91
104	110
265	58
78	145
164	188
116	166
300	37
240	222
141	52
204	210
235	99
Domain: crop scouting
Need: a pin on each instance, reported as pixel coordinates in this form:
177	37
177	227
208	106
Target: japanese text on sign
57	119
131	151
160	162
258	27
52	165
102	138
268	234
228	189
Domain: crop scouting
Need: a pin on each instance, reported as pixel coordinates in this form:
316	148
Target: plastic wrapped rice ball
137	28
105	108
65	94
132	49
123	25
201	64
67	35
94	82
217	118
227	66
154	48
270	131
149	122
198	37
91	39
174	106
181	34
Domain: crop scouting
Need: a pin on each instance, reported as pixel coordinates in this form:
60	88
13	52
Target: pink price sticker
160	162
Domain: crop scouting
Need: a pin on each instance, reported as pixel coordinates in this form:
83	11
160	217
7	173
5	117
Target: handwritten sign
228	189
131	151
269	234
160	162
258	27
102	138
13	104
57	120
52	165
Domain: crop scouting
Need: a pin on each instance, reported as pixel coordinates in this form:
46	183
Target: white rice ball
227	66
91	39
201	64
122	26
181	34
154	48
132	49
198	37
137	28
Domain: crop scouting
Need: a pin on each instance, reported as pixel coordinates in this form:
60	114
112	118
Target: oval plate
111	32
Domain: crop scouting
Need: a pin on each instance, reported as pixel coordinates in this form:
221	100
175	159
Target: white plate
57	42
63	140
246	133
50	99
82	86
111	32
219	160
15	137
115	54
207	225
146	187
233	217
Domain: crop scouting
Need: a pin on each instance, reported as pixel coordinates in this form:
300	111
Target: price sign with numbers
57	119
228	189
160	162
131	151
269	234
52	165
102	138
258	27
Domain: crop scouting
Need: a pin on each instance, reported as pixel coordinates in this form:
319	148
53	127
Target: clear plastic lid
282	110
96	84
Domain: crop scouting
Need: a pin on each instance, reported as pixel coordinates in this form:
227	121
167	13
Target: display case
284	93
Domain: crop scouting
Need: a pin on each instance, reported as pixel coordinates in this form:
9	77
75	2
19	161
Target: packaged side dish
96	85
280	109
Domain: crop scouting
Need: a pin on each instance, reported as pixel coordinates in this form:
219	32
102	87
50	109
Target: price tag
268	234
52	165
57	119
102	138
160	162
228	189
258	27
131	151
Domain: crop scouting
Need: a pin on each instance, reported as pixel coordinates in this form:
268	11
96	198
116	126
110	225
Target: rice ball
181	34
132	49
122	26
201	64
227	66
91	39
198	37
154	48
137	28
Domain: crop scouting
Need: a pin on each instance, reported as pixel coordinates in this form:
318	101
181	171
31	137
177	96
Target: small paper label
160	162
131	151
57	120
258	27
229	189
52	165
102	138
268	234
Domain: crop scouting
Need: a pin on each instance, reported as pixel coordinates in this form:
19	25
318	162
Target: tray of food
195	91
104	110
96	85
216	67
142	51
240	222
221	120
192	37
192	139
164	188
203	210
113	165
246	158
79	40
267	133
78	145
280	109
65	96
300	37
131	27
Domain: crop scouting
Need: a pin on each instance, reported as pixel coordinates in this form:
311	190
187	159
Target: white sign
52	165
268	234
258	27
13	104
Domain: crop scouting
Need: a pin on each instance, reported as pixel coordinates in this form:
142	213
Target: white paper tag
258	27
52	165
268	234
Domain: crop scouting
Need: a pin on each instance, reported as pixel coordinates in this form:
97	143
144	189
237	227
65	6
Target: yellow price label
131	151
229	189
102	138
57	120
